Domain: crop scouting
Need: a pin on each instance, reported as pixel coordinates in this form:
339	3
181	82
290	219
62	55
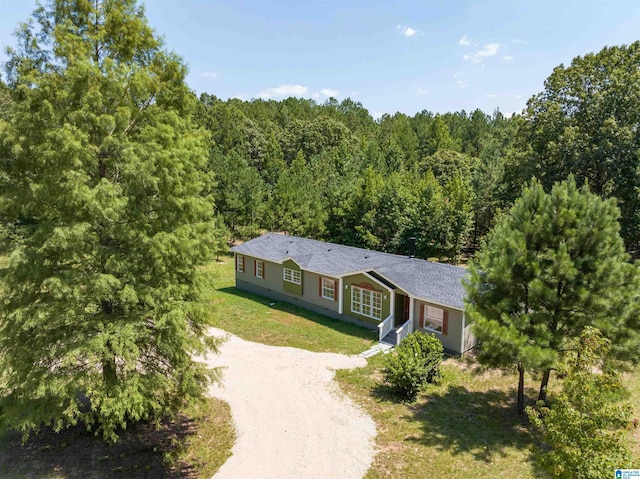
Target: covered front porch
399	324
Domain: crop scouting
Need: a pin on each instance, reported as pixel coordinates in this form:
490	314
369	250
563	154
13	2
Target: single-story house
395	294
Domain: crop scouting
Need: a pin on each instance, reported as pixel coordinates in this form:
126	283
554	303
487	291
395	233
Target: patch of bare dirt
76	453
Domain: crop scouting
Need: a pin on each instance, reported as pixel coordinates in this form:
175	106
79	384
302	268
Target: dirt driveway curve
291	420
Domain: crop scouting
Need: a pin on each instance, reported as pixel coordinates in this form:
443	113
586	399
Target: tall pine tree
103	186
553	266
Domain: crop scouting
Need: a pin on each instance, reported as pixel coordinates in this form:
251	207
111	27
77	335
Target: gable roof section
437	282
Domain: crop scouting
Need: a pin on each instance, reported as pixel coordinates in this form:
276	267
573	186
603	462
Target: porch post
411	309
392	311
340	294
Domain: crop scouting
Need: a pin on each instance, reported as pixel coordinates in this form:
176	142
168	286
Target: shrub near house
413	365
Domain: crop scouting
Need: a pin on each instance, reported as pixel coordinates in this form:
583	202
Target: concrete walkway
291	420
383	348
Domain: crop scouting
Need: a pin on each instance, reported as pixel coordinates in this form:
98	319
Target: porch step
390	338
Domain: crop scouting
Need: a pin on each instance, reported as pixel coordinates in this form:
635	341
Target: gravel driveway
291	420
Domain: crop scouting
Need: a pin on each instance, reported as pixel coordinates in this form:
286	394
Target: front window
366	302
433	318
240	263
292	276
328	289
259	268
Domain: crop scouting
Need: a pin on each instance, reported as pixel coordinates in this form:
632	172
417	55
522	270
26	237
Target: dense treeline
332	171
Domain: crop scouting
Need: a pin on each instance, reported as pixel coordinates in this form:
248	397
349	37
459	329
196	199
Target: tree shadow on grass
482	423
341	326
76	453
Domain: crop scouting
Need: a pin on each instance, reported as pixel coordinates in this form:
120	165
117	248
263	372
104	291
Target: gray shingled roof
441	283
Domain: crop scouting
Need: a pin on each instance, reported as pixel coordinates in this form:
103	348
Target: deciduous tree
586	122
584	428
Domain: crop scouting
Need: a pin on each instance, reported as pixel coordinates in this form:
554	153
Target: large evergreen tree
551	267
104	190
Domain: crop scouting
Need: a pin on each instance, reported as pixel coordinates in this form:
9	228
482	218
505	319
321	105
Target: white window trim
328	285
259	269
289	275
426	318
240	263
357	306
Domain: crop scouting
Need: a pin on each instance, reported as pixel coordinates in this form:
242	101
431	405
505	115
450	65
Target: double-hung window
433	318
259	268
240	263
366	302
292	276
328	289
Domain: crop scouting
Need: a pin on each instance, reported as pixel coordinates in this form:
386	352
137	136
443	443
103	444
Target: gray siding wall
272	275
453	339
273	283
298	301
311	293
469	338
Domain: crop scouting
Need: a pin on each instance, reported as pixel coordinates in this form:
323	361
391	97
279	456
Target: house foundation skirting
264	292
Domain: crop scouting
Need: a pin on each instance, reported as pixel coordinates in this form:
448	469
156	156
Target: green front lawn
276	323
465	427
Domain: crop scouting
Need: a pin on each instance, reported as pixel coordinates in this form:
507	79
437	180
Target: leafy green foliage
439	137
296	206
584	428
103	184
414	364
585	122
553	266
355	181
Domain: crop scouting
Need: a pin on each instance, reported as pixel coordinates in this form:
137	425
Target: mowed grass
277	323
632	382
465	427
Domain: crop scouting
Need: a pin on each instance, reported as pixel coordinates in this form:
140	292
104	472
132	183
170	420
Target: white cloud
283	91
487	50
489	95
461	83
407	31
518	40
377	115
315	95
210	75
422	91
240	96
328	92
507	58
464	41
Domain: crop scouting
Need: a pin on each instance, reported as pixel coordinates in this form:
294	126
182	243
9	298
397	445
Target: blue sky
391	56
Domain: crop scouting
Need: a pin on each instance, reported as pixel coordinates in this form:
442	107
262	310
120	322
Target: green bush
414	364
